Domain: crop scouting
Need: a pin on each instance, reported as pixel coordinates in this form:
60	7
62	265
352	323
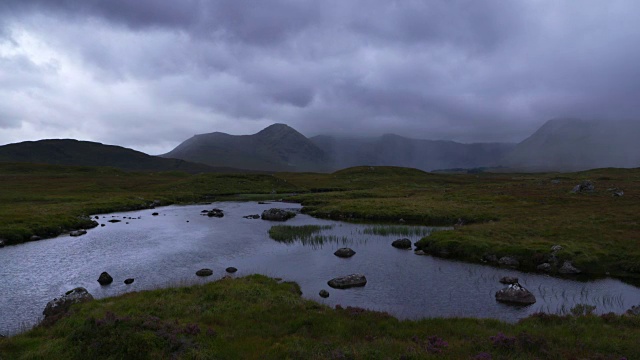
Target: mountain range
559	145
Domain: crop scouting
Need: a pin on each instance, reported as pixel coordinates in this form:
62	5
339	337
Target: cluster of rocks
276	214
208	272
106	279
585	186
218	213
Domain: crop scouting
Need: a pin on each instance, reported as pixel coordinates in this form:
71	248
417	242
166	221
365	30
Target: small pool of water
167	250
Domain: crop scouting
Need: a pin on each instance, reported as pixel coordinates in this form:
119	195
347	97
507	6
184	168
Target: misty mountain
275	148
86	153
573	144
395	150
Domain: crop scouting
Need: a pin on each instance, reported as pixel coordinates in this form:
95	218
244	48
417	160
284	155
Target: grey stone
204	272
61	305
568	268
129	281
275	214
348	281
78	233
509	261
231	269
585	186
515	294
402	244
344	253
105	278
546	267
634	311
509	280
324	293
215	213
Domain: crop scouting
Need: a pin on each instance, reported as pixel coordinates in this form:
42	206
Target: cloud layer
149	74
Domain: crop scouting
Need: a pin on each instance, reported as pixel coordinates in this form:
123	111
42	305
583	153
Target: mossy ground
259	318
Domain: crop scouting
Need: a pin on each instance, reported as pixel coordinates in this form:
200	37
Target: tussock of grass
258	318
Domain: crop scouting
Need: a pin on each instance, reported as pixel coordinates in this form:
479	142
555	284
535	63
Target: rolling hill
86	153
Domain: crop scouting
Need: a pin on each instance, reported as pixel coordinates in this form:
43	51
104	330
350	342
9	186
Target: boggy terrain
521	216
525	220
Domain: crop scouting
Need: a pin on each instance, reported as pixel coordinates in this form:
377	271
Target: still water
167	250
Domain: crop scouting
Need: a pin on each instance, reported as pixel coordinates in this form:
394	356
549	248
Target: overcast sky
149	74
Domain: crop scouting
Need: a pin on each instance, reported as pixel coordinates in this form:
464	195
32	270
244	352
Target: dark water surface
166	250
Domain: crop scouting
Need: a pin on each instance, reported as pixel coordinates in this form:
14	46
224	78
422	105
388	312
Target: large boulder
348	281
105	278
277	214
515	294
568	268
344	253
61	305
401	244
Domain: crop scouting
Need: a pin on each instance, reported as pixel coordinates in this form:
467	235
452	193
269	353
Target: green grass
400	230
258	318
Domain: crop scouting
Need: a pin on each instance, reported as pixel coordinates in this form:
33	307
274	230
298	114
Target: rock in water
155	214
515	294
402	244
231	269
204	272
634	311
105	278
277	214
215	213
61	305
568	268
324	293
254	216
2	243
128	281
344	253
509	280
348	281
78	233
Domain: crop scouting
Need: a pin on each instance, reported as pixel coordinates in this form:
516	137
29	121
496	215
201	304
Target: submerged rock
78	233
344	253
420	252
215	213
348	281
61	305
515	294
114	221
105	278
568	268
323	293
204	272
129	281
231	269
509	261
509	280
401	244
254	216
275	214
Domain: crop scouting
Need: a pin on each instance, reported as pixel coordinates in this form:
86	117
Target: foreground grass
258	318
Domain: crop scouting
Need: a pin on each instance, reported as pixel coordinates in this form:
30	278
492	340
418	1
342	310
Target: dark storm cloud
457	69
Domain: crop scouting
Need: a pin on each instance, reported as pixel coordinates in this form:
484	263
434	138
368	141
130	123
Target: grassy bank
46	200
258	318
519	215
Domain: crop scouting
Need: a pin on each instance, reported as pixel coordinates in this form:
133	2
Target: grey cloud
457	69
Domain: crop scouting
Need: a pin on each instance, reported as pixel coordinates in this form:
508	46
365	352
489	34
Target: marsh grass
399	230
289	234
